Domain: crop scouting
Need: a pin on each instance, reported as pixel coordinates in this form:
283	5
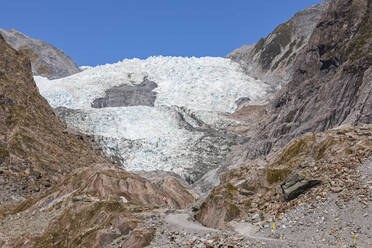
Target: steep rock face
36	149
331	84
46	60
271	59
73	196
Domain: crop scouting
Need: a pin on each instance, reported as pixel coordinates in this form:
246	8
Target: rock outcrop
331	83
272	58
46	60
128	95
295	184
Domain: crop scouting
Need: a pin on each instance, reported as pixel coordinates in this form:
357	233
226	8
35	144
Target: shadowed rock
127	95
296	184
331	84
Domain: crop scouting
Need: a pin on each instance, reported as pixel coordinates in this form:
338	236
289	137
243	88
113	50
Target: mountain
46	60
162	113
272	58
283	160
36	148
57	188
307	159
331	81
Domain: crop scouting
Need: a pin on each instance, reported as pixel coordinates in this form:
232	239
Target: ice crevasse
151	138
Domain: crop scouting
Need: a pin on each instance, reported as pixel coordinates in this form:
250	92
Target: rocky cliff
271	59
331	83
57	189
46	60
36	149
310	143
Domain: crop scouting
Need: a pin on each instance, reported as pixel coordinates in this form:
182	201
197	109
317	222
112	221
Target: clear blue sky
98	32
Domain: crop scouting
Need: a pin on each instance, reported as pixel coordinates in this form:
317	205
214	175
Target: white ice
206	83
150	137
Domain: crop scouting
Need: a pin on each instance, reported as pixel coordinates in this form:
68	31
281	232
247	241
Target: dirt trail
178	230
245	229
182	221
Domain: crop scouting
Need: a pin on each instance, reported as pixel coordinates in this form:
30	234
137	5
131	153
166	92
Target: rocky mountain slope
330	84
272	58
311	144
46	60
316	191
57	190
36	149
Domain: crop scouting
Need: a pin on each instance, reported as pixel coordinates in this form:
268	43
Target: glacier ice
154	138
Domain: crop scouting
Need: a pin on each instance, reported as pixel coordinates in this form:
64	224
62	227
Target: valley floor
322	225
332	222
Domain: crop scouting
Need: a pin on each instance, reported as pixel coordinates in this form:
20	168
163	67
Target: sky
96	32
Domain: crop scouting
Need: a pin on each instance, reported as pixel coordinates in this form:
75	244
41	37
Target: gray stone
307	102
296	184
128	95
46	60
272	58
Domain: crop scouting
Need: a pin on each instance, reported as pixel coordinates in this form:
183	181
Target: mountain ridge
46	60
271	58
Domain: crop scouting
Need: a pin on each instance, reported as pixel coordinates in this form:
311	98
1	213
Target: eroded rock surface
36	149
253	192
272	58
57	188
46	60
128	95
295	184
331	83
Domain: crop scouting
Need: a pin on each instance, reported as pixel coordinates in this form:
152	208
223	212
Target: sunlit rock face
162	113
46	60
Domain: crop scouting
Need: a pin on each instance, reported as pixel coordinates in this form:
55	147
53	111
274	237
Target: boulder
295	184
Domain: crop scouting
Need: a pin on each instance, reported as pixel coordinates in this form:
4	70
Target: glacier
193	100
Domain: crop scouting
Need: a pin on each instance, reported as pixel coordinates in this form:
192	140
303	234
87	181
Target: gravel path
332	222
177	230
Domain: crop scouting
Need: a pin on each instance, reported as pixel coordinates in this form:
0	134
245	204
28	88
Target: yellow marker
355	237
273	226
